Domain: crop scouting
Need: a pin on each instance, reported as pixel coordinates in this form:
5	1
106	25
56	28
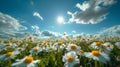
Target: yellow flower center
51	48
70	59
118	57
98	43
35	49
45	45
9	54
19	49
73	47
28	59
108	45
9	44
81	51
59	43
96	53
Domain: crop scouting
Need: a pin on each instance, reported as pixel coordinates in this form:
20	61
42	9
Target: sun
60	19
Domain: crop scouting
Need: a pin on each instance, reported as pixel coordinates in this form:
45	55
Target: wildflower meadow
80	51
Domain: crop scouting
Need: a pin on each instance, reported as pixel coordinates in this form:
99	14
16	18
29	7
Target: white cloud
91	12
107	2
36	30
10	35
9	26
73	31
51	34
83	7
114	30
35	27
37	15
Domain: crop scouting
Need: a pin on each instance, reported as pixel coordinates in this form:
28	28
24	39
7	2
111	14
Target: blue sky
49	10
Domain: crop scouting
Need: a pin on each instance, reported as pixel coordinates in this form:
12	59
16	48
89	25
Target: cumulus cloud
51	34
114	30
36	30
73	31
9	26
37	15
91	12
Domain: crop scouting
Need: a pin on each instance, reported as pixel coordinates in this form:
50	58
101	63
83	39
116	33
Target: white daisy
24	45
96	45
19	49
8	45
73	47
82	39
97	55
59	45
9	55
118	58
80	52
44	47
117	44
70	59
51	49
108	47
26	62
35	50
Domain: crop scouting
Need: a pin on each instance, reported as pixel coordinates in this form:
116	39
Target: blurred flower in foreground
117	44
26	62
97	55
70	59
8	55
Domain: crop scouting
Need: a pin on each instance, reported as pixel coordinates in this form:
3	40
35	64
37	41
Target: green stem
96	65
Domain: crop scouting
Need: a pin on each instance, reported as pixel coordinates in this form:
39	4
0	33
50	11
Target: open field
61	52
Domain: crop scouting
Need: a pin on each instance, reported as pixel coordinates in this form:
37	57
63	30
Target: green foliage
54	59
